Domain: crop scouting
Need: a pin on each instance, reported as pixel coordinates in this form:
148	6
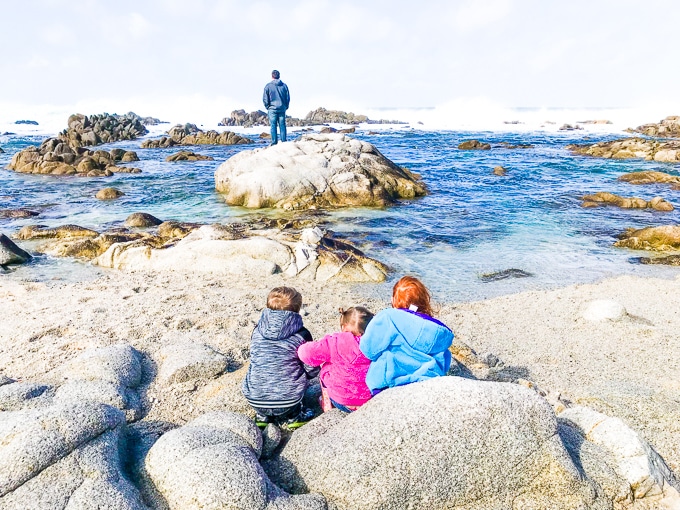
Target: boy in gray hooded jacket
276	380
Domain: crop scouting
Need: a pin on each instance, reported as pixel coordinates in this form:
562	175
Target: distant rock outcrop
18	213
649	177
631	148
469	145
85	131
56	157
188	156
243	119
314	118
603	198
667	128
29	122
315	171
189	134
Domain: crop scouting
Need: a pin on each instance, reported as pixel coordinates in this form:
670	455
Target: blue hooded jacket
276	96
405	347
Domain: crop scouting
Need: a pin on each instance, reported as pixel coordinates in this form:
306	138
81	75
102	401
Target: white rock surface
604	309
318	170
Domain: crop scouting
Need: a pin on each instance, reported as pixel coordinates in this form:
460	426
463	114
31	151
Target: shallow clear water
471	223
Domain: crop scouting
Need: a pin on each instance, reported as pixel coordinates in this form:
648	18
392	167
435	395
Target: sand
626	368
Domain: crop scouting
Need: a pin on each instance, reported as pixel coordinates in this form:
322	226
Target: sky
217	55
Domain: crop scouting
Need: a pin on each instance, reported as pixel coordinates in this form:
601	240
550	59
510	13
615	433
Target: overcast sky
367	53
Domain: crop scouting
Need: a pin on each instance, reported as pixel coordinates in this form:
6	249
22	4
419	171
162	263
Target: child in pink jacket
343	366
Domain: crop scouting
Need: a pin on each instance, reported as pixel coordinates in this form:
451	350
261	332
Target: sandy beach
625	368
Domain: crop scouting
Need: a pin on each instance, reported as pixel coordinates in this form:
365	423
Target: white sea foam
462	114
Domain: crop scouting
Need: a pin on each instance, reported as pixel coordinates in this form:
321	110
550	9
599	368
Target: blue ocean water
472	222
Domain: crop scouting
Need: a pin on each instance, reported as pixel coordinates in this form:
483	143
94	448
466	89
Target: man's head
275	74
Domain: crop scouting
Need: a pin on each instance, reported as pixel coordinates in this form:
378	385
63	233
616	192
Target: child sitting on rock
405	343
276	380
343	366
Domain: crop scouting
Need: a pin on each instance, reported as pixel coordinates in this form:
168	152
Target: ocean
528	223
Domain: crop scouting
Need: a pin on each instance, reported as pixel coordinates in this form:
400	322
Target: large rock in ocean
316	171
604	198
104	128
189	134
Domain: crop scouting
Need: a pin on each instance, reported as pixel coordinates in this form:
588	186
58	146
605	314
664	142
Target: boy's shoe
261	420
303	416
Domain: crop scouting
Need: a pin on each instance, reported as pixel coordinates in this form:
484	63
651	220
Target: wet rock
187	361
328	129
500	171
92	247
603	198
474	145
188	156
109	194
663	238
18	213
61	232
142	220
504	433
669	260
176	229
129	156
649	177
315	171
10	253
504	275
631	148
212	462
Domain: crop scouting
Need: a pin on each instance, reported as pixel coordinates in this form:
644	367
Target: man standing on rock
276	99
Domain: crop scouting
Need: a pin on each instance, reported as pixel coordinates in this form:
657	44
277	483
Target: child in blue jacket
405	343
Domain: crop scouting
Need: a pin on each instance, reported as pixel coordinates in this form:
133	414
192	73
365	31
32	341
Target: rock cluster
189	134
243	119
85	131
188	156
315	171
468	145
630	148
668	127
56	157
603	198
313	118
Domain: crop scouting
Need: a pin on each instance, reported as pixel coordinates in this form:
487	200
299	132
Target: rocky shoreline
160	422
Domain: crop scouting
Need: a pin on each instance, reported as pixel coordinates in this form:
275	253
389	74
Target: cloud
37	62
138	26
59	35
474	15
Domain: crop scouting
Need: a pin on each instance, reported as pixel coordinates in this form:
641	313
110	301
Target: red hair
411	291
